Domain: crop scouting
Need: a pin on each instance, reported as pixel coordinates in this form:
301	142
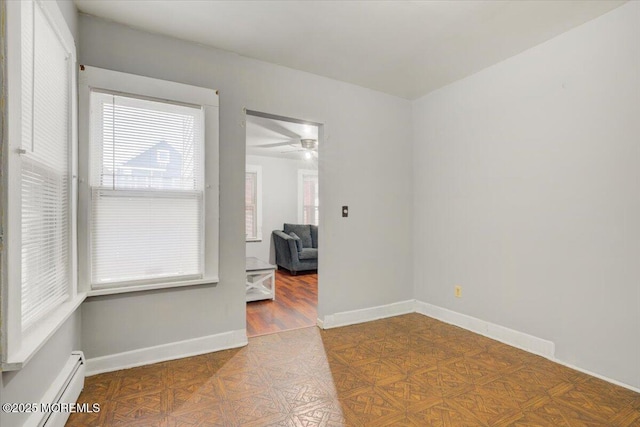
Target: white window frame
146	87
257	169
301	174
19	346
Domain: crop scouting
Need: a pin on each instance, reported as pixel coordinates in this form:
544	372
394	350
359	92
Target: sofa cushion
314	235
308	253
303	231
295	237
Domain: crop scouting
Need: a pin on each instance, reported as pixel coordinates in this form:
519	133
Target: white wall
279	200
366	259
31	382
527	194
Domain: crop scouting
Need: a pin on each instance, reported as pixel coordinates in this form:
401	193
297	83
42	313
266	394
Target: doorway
282	216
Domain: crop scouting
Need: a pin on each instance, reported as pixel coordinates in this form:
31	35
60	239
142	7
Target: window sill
38	337
140	288
253	240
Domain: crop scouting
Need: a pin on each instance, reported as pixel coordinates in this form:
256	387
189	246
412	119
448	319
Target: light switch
345	211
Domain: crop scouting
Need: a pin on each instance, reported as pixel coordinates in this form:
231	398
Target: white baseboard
508	336
514	338
602	377
366	314
161	353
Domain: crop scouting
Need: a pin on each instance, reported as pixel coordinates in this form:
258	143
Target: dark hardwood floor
295	305
408	370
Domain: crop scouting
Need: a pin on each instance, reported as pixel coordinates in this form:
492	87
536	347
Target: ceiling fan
296	139
298	143
308	146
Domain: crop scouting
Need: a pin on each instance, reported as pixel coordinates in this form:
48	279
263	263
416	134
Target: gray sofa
298	253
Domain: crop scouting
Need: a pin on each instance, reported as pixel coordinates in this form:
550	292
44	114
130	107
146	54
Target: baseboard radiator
65	389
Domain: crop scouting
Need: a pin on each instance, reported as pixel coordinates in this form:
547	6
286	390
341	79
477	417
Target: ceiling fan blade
274	126
275	144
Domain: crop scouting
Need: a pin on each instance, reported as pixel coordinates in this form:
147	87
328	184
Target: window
253	203
146	190
308	206
45	169
163	156
150	210
40	282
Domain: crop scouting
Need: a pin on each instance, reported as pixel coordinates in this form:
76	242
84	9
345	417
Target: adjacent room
282	216
319	213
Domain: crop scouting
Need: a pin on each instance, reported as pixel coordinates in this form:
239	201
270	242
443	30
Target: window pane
310	205
45	240
147	180
45	201
145	144
251	202
141	237
250	221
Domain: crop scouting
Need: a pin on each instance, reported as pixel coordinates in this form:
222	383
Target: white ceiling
404	48
278	138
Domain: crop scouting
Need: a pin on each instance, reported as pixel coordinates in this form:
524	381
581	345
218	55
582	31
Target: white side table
261	280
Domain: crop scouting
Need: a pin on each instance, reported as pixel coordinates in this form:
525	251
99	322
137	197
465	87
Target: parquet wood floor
408	370
295	305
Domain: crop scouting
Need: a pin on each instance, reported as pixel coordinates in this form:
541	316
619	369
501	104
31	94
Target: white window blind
146	179
310	205
45	168
253	202
251	205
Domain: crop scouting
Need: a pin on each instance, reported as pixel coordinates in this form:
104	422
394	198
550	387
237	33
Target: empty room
450	190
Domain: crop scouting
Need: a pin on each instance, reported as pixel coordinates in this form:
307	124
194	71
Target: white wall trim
366	314
98	79
508	336
161	353
593	374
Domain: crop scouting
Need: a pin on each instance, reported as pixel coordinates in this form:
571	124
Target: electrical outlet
457	291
